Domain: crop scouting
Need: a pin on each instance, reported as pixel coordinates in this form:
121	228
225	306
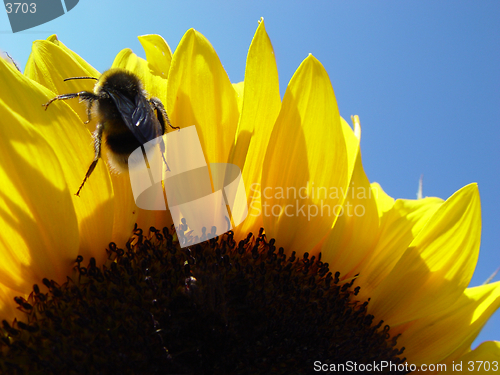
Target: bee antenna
70	78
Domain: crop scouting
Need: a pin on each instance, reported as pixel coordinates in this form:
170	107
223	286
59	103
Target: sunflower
326	271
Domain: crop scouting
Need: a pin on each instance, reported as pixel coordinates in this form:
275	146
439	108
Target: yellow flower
304	179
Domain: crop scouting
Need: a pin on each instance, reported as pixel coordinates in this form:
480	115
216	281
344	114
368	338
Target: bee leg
97	155
84	95
162	146
160	109
89	172
89	110
162	116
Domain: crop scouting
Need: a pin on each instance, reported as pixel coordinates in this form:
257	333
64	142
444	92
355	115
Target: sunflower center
216	307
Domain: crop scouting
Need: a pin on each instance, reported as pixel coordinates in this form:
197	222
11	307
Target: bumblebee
127	119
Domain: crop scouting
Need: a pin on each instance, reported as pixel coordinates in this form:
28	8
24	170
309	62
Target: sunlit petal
200	93
261	107
352	239
428	278
400	222
72	154
434	338
48	54
306	137
158	54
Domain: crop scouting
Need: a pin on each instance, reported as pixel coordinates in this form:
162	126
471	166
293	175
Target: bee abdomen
121	146
122	143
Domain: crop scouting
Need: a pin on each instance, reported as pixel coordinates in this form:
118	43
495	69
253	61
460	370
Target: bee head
120	81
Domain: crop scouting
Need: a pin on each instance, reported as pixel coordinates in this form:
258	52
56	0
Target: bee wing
139	116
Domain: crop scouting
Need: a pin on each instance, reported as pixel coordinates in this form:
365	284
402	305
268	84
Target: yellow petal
261	106
70	143
239	89
38	221
158	219
200	93
355	233
352	139
438	265
50	53
384	201
448	333
400	222
50	62
125	213
485	359
39	225
158	54
305	168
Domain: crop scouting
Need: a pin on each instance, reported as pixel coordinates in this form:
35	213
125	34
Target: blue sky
423	76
